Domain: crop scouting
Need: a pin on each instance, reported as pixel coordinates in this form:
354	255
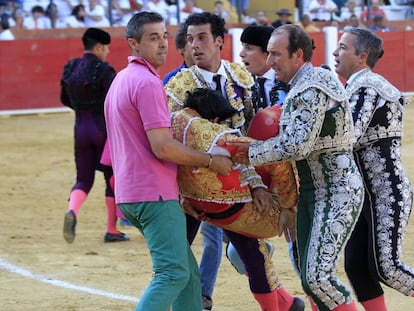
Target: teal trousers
176	280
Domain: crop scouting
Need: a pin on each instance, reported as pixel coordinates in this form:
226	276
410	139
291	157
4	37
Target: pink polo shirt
135	103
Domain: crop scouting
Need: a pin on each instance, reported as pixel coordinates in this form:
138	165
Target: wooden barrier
30	68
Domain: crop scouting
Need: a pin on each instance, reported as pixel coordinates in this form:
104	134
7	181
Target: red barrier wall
30	69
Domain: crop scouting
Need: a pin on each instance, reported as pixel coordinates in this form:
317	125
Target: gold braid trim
204	184
270	270
177	88
189	79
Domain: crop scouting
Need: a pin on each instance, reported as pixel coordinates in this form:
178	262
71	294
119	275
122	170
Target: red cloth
265	125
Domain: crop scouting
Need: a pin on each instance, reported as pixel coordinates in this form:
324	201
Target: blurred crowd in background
48	14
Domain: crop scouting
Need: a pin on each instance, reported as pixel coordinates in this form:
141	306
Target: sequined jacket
237	88
85	82
316	118
371	98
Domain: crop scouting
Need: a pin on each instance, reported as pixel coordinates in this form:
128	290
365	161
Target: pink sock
375	304
111	215
76	199
285	299
346	307
112	182
118	211
314	307
267	301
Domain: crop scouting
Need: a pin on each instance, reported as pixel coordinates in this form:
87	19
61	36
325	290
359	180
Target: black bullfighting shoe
69	226
297	305
115	237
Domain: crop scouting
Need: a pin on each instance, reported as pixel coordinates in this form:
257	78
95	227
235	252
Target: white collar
208	75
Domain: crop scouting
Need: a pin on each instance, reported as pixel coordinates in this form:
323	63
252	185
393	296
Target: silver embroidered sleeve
250	175
300	125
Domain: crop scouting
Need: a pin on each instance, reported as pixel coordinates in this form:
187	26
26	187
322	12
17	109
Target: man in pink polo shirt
144	158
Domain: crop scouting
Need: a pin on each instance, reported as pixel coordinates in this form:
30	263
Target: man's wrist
210	160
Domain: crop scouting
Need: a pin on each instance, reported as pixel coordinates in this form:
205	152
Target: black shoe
207	303
69	226
115	237
297	305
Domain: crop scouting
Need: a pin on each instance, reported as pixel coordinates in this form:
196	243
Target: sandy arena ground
40	271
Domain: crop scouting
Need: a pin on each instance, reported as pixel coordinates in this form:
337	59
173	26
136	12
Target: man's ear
363	58
133	43
220	41
98	47
299	54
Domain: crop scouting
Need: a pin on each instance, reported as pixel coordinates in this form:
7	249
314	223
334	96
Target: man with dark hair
184	49
268	91
205	35
85	82
373	253
144	157
316	131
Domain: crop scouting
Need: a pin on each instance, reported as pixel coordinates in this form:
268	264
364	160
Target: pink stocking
111	215
76	199
346	307
375	304
285	299
314	307
268	301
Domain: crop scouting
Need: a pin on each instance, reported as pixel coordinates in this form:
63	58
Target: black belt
226	213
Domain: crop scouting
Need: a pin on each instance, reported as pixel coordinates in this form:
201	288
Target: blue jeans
211	257
244	4
176	279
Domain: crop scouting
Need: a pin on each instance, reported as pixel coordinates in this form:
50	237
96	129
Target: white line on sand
45	279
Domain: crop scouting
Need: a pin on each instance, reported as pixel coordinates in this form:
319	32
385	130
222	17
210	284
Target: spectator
6	8
77	18
307	24
322	10
370	12
189	8
122	12
95	15
220	11
28	5
53	14
284	15
242	6
37	20
5	32
64	9
378	24
355	22
349	9
261	19
184	49
160	7
17	19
